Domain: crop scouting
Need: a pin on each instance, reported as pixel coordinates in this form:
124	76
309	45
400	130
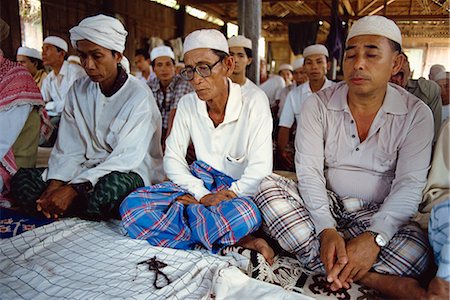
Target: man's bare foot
394	286
258	244
438	289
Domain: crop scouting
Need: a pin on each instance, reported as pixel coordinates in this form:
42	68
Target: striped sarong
286	220
152	213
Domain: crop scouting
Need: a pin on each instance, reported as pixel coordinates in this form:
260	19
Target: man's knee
27	186
248	219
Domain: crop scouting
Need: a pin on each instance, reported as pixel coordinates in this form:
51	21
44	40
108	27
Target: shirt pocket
385	161
112	138
235	166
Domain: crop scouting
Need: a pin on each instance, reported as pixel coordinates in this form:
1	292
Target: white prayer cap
205	38
434	70
161	51
30	52
442	75
125	63
376	25
102	30
57	41
240	41
74	58
298	63
315	49
285	67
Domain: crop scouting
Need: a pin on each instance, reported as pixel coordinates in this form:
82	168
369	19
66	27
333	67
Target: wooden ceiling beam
299	19
193	2
348	7
380	7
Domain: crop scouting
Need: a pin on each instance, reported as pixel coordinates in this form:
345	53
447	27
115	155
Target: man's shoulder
333	92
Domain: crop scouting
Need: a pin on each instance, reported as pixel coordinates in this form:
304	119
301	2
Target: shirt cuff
199	192
322	222
386	229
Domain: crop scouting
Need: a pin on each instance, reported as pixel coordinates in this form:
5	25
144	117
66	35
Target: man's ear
398	62
118	56
328	65
250	59
229	63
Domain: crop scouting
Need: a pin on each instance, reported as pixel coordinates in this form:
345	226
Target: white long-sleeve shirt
250	89
55	87
240	147
389	167
99	134
293	104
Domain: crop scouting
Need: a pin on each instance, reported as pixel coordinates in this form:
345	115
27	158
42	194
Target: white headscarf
102	30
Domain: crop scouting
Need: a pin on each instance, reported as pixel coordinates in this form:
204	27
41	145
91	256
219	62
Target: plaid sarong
286	220
152	213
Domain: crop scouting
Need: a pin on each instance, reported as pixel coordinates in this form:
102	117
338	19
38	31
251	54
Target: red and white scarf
17	87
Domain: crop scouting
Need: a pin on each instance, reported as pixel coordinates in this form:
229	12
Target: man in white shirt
299	75
210	202
316	66
109	135
241	50
58	82
363	150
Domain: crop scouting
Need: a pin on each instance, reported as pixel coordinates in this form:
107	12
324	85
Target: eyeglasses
202	69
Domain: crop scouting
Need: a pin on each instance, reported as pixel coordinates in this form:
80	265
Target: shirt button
353	136
352	121
357	149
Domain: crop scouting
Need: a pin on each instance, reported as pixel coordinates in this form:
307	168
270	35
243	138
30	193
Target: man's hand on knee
438	289
333	255
216	198
187	199
362	253
57	202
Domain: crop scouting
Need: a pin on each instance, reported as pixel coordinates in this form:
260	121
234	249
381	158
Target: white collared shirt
55	87
250	89
271	87
240	147
99	134
389	167
291	110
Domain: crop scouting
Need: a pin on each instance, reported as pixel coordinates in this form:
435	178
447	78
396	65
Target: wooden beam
193	2
359	6
367	7
381	7
299	19
348	7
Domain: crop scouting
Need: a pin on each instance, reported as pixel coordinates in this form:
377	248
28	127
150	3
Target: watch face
380	241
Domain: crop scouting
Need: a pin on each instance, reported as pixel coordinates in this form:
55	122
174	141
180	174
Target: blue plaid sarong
153	214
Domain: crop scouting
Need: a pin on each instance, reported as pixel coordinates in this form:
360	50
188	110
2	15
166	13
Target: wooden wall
142	19
9	12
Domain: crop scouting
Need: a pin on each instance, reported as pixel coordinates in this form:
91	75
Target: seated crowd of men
362	148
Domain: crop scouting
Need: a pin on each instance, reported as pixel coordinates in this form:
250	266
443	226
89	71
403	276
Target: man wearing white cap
299	76
210	202
109	140
363	150
434	70
58	82
285	71
316	66
32	60
167	87
443	79
241	49
426	90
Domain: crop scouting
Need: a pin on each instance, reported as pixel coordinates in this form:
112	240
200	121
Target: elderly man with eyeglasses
209	203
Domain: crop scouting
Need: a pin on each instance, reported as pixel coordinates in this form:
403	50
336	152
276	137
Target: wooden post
249	18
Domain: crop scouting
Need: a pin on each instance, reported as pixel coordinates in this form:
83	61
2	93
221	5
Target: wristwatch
379	240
